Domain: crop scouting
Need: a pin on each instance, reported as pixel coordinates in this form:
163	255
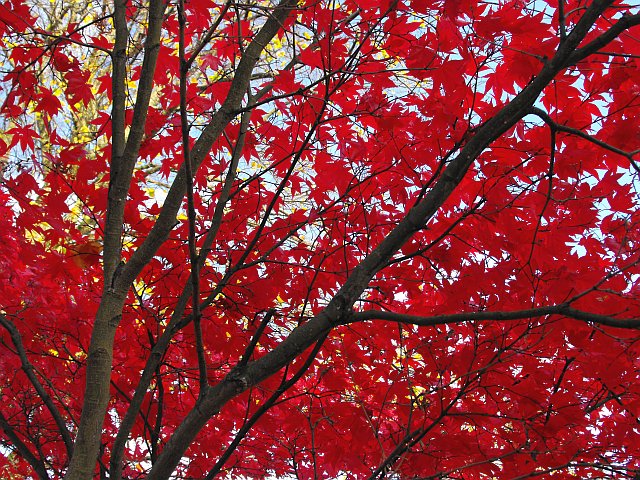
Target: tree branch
29	369
625	23
254	340
339	308
124	155
22	449
191	209
544	116
208	35
448	319
239	85
284	386
113	228
178	321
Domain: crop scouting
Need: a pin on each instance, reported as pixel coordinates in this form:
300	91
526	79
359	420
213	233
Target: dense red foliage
479	279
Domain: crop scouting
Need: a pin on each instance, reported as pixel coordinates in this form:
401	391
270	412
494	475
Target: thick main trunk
97	390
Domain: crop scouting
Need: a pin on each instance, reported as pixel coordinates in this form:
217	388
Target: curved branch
29	369
544	116
22	449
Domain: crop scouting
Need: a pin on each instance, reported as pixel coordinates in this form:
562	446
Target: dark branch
579	133
255	339
191	209
29	370
22	449
284	386
429	321
625	23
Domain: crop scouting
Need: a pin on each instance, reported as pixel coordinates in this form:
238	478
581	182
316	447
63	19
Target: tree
318	239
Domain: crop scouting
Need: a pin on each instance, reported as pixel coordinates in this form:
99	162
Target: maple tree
356	239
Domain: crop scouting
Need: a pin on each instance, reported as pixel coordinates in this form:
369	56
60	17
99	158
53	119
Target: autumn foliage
320	239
